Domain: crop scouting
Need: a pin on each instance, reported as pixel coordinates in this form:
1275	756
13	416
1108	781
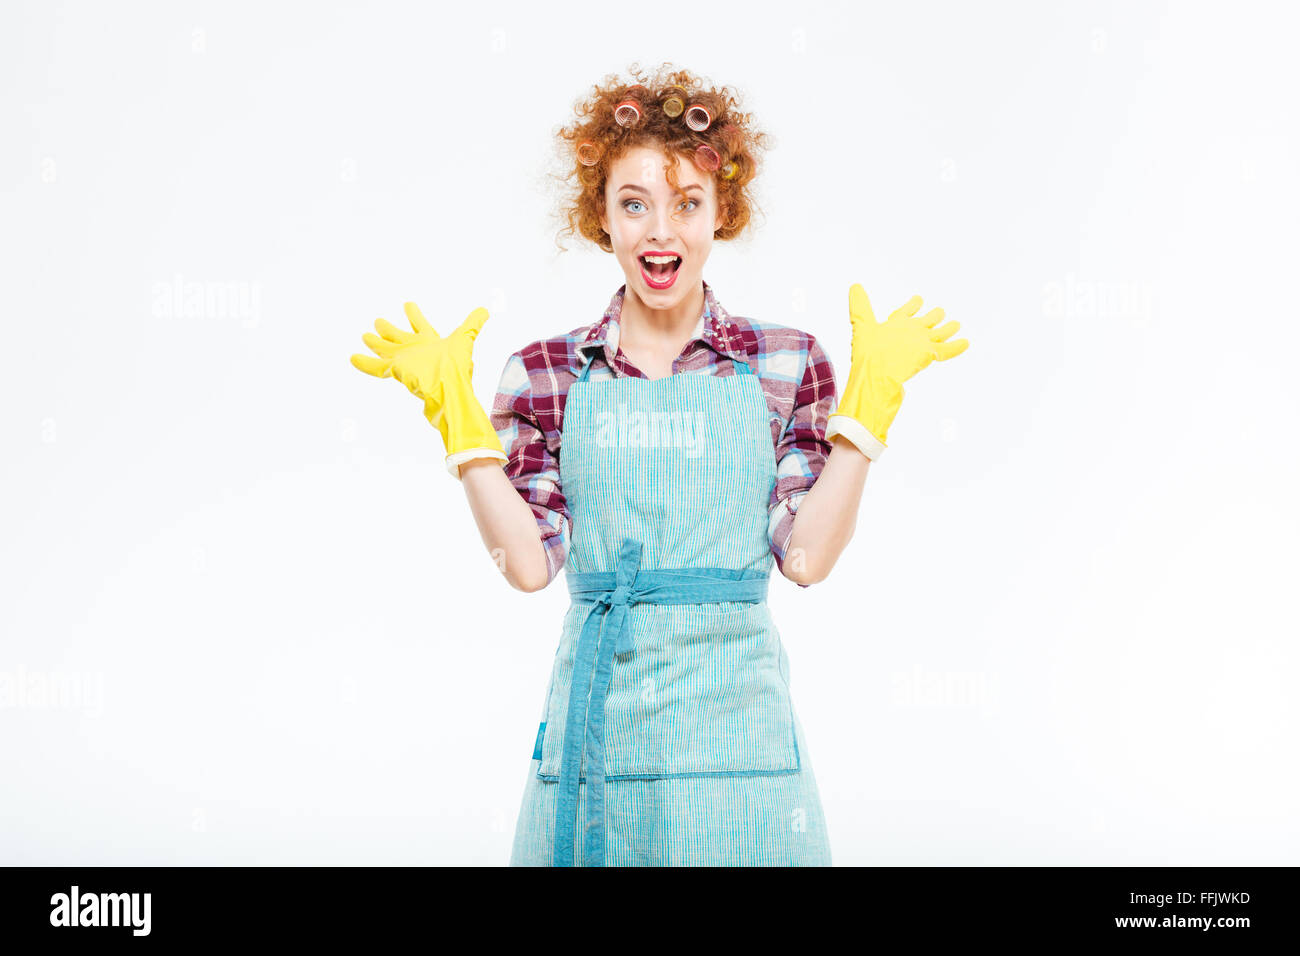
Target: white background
1065	630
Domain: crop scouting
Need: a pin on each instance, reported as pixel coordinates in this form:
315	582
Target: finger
859	304
945	331
931	318
382	346
946	350
380	368
418	321
393	333
907	309
473	323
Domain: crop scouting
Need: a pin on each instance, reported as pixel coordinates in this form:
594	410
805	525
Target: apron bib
669	664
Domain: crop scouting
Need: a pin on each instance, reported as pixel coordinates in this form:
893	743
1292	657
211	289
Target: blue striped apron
669	665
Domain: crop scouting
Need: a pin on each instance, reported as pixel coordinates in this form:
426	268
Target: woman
666	454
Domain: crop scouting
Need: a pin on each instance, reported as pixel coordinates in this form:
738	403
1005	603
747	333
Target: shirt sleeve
530	465
802	449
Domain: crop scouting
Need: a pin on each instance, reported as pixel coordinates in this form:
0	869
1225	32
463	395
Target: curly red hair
731	134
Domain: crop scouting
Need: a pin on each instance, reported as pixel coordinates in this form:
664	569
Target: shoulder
559	353
783	352
537	376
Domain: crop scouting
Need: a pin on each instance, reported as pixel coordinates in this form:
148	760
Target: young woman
666	454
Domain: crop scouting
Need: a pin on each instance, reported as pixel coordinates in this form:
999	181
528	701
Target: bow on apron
605	632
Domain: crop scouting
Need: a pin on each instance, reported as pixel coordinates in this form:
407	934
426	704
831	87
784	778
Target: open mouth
660	271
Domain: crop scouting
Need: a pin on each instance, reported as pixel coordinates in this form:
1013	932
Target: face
645	215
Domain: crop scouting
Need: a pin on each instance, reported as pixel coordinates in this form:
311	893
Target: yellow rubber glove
437	370
885	355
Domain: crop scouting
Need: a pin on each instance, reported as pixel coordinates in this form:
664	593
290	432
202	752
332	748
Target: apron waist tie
610	594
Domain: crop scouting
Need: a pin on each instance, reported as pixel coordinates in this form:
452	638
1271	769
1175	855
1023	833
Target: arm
505	523
884	355
439	370
819	482
519	509
828	515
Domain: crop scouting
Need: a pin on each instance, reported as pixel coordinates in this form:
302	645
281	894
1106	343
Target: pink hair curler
707	158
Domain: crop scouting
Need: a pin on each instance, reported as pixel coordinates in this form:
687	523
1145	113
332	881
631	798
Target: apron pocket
704	692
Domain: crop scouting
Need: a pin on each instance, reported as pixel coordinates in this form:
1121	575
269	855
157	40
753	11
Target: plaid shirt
796	375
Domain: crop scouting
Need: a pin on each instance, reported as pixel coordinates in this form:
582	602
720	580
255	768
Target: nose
662	227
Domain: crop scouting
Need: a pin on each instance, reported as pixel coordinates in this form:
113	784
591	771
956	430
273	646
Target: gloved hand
885	355
437	370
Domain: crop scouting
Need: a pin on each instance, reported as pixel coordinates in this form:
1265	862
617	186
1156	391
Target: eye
696	201
627	202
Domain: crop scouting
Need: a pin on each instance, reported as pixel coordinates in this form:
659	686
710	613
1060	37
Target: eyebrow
646	192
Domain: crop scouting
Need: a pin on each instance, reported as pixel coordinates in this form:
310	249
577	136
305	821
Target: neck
641	324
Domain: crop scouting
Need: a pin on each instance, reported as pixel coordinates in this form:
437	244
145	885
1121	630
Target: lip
672	276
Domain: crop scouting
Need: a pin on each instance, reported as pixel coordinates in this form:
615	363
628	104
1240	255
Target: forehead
647	167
